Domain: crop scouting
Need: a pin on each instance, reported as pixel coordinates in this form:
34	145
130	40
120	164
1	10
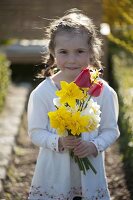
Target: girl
73	45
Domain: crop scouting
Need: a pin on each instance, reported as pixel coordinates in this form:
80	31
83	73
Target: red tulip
96	89
83	79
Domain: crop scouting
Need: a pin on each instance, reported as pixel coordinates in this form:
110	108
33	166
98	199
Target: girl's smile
72	68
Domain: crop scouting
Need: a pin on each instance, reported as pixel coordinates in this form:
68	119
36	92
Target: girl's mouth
72	68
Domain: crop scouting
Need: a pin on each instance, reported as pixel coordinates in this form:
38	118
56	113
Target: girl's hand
68	142
84	149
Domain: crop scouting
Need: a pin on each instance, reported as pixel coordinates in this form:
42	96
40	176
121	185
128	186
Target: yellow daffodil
59	119
69	93
78	123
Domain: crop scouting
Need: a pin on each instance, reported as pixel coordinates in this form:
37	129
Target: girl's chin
72	75
73	71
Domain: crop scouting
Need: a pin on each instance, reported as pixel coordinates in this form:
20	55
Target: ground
20	172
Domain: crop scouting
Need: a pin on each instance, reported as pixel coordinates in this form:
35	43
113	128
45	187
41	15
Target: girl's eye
80	51
63	52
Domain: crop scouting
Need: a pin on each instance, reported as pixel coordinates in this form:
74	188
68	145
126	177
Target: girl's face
71	53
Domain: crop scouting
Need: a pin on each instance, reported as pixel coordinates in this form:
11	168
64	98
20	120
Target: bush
122	73
4	79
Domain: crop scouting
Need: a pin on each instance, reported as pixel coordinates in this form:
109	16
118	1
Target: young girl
73	45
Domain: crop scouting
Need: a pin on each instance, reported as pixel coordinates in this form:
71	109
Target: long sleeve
108	130
38	123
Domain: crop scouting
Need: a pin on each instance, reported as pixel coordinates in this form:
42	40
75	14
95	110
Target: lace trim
37	193
100	194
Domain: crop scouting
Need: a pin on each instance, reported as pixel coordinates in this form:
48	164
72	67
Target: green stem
81	164
87	102
86	163
71	154
81	105
90	165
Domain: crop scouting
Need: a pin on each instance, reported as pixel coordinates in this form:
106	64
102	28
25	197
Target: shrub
122	73
4	79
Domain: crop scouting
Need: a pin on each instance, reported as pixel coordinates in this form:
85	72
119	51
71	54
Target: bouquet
76	112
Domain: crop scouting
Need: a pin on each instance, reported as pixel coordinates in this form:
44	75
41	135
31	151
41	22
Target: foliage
123	73
119	15
122	79
8	42
4	79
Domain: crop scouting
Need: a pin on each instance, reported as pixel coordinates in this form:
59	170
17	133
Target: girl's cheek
62	59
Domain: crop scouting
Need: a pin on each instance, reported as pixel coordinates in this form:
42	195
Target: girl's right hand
68	142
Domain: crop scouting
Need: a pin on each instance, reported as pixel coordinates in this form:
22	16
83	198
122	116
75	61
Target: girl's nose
71	58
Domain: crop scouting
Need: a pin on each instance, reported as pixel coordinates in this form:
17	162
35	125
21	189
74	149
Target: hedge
122	81
123	75
4	79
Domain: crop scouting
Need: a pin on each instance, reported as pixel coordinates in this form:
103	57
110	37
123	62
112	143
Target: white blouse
57	176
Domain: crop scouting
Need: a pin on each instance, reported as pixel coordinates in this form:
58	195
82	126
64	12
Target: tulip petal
96	89
83	80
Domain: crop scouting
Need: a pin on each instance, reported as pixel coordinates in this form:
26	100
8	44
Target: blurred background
22	41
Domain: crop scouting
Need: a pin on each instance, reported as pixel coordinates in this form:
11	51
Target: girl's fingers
80	145
78	141
85	149
82	154
82	149
70	142
70	137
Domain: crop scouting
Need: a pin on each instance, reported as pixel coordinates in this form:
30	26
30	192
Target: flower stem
86	163
81	165
90	165
87	102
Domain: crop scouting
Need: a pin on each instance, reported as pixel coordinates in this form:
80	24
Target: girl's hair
72	21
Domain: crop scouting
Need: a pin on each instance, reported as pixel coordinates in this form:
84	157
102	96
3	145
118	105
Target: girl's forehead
71	33
65	37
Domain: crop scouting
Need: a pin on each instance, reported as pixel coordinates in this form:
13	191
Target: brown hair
73	20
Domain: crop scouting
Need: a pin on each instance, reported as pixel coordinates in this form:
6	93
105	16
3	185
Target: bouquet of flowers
76	112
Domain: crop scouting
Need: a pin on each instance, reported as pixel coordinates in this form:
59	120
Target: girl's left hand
84	149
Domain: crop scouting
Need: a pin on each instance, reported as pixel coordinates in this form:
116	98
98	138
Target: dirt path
21	169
